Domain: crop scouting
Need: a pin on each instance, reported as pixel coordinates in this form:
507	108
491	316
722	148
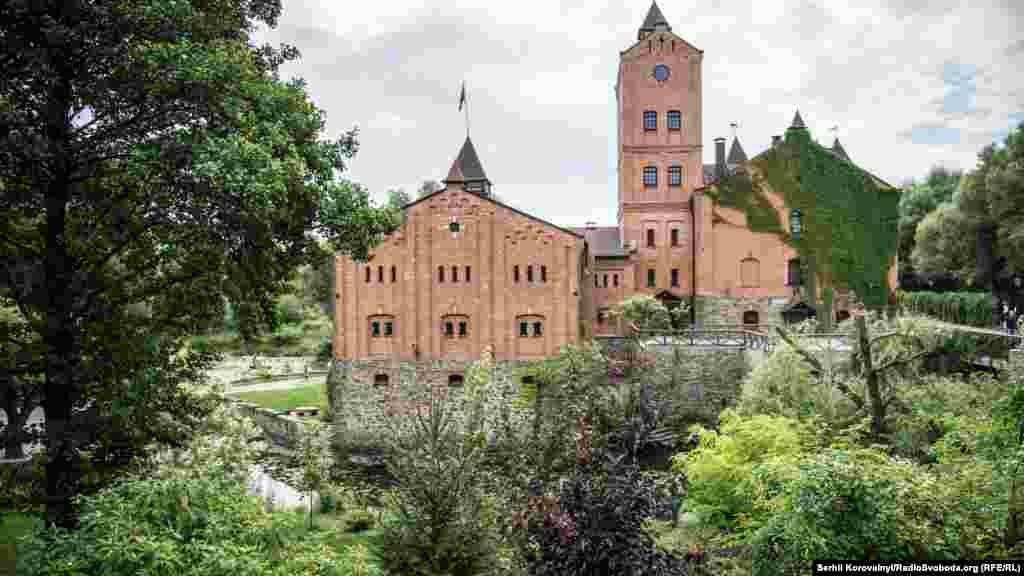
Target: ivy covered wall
849	218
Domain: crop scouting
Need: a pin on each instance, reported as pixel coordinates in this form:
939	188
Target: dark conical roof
838	150
798	122
467	165
736	153
654	17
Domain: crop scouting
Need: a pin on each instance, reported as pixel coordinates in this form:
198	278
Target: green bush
287	334
358	520
186	526
288	310
972	308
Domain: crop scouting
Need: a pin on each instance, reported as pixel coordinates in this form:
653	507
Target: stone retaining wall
280	429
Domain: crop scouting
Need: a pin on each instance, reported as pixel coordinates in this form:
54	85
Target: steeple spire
655	20
466	170
798	122
838	150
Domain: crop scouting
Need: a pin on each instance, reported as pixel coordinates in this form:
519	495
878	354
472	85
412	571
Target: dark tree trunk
872	379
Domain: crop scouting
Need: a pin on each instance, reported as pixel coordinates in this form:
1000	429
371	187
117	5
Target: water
277	494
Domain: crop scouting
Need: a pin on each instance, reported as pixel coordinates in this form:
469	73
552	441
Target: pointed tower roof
466	167
736	153
653	19
838	150
798	122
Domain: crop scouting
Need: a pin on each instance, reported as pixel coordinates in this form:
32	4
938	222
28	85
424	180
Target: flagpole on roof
464	103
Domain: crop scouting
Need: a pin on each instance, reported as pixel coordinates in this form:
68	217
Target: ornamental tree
152	163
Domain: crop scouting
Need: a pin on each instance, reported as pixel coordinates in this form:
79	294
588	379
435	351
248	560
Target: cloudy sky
909	83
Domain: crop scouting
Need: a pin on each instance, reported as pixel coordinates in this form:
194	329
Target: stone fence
281	430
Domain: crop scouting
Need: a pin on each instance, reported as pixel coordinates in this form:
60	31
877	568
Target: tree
944	244
397	199
917	201
428	187
152	164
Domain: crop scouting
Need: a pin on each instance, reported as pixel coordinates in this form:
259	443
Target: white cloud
541	77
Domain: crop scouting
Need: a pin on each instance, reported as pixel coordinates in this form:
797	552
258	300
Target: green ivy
972	308
849	220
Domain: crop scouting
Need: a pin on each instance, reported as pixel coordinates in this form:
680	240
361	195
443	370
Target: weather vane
733	125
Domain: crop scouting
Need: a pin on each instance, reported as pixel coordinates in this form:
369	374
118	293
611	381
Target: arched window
455	273
543	273
394	274
515	274
750	272
530	325
529	273
650	238
367	274
440	274
380	274
455	325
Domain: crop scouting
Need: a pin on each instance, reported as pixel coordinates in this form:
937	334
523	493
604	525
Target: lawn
13	525
311	395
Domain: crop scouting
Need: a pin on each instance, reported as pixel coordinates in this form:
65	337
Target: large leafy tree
917	201
152	163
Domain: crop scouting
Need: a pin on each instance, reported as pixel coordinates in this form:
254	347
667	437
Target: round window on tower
661	72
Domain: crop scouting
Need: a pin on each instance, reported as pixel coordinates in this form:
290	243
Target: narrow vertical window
650	176
389	328
367	274
650	278
675	120
543	273
675	277
529	273
468	277
675	176
650	238
515	274
650	121
394	274
455	273
605	280
524	329
615	280
449	329
440	274
380	274
597	281
462	329
675	237
375	328
538	330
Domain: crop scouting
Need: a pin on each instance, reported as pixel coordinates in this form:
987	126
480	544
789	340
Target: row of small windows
380	274
449	328
468	277
673	237
674	119
615	280
529	274
675	176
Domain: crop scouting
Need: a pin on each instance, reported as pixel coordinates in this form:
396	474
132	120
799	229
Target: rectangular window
650	121
543	273
605	280
367	274
675	176
462	329
515	274
650	238
650	177
389	328
615	280
795	274
440	274
468	277
375	329
524	329
455	273
650	278
394	274
529	273
538	330
675	120
597	281
675	277
675	237
380	274
449	329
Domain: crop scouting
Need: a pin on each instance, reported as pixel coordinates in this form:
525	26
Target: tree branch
807	356
901	361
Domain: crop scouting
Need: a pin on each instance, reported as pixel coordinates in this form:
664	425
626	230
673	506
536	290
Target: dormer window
650	121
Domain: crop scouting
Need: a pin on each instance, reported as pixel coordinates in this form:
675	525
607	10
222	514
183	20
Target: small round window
661	72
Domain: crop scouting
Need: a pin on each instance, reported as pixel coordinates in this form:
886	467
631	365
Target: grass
312	395
13	525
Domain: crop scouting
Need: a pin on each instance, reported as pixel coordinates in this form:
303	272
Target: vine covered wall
849	219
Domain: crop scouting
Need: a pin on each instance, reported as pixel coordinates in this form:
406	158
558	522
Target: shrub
288	310
325	351
596	526
973	308
186	526
358	520
734	474
287	334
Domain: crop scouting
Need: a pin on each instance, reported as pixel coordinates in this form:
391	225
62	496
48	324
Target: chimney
775	140
719	157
